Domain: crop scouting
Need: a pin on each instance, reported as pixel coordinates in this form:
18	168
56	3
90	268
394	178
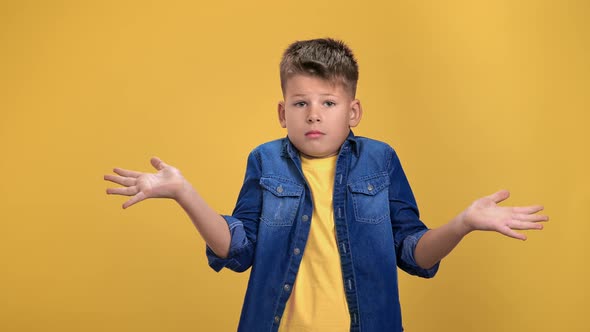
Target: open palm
165	183
485	214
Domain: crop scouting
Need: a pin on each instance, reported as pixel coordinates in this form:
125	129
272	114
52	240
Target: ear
281	113
356	113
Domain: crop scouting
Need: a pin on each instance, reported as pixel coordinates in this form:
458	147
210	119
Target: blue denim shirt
377	228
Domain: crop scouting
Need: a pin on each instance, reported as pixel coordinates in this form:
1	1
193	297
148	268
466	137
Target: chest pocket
280	201
370	198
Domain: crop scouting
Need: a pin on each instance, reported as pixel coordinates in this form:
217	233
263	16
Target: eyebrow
322	95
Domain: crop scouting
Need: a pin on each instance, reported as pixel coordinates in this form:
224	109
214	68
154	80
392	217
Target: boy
323	217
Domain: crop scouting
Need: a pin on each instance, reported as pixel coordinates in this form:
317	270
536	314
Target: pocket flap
370	185
281	187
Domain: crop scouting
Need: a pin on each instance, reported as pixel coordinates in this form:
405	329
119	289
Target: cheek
292	123
345	119
294	118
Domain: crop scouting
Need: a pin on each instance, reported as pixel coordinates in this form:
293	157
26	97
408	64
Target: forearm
209	223
437	243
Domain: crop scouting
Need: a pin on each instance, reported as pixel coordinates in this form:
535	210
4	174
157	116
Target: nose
313	116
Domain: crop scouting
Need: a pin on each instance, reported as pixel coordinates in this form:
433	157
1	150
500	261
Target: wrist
184	191
462	227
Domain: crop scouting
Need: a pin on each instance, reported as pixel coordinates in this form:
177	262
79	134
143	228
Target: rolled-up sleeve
240	249
243	223
408	262
405	219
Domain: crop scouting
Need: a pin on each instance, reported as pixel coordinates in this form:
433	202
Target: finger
523	225
528	209
135	199
530	217
511	233
126	191
126	172
499	196
158	163
124	181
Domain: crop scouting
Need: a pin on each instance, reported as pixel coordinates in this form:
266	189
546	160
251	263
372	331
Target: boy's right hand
168	182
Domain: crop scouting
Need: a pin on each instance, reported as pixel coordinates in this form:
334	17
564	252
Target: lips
314	134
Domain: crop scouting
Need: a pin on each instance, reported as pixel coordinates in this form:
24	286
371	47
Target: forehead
299	84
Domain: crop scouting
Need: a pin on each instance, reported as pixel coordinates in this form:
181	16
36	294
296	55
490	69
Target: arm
168	182
485	215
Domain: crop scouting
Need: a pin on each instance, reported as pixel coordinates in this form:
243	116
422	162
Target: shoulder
272	147
374	152
367	145
268	151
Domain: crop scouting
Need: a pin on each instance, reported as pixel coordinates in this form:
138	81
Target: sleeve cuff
408	260
238	244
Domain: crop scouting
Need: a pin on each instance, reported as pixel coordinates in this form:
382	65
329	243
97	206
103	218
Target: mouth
314	134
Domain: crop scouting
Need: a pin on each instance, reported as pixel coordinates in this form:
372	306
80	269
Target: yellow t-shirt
317	302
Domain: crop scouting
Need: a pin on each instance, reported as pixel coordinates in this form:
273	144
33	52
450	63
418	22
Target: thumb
158	163
499	196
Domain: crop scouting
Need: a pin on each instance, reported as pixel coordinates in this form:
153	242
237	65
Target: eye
329	103
300	104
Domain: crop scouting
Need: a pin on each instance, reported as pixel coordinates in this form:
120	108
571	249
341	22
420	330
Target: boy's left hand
485	214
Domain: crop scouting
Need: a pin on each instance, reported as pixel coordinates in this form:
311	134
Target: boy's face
318	115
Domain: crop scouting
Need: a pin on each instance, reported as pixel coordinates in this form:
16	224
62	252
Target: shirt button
287	288
305	217
280	189
277	319
370	187
296	251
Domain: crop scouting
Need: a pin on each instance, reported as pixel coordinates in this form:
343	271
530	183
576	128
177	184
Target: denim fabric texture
377	229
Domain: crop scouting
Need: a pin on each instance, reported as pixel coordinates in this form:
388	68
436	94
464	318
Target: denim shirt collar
289	150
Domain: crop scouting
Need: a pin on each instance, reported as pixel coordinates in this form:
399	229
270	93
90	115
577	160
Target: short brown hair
326	58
